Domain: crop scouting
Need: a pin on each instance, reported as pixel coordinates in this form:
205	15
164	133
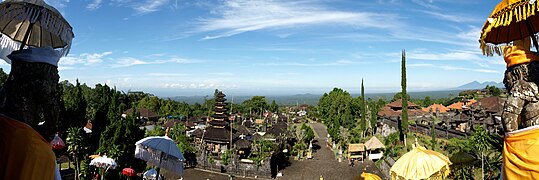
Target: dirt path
324	163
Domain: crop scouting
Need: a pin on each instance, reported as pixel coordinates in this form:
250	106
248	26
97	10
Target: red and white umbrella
57	143
129	172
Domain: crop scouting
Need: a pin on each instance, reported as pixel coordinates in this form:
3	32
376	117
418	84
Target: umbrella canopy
150	174
33	23
462	158
420	163
103	162
161	151
509	21
369	176
129	172
57	142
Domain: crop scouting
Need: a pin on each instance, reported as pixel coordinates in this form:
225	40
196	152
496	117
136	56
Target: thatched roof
356	147
242	144
217	134
491	104
374	143
244	130
143	112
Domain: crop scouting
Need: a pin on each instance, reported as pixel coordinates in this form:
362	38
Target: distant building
143	113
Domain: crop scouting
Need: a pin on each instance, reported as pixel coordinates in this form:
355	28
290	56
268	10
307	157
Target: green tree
481	141
273	107
403	129
257	104
3	76
76	146
308	133
337	110
493	90
363	122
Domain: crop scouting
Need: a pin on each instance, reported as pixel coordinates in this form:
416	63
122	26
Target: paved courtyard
323	164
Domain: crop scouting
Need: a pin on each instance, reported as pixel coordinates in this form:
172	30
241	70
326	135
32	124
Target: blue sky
245	47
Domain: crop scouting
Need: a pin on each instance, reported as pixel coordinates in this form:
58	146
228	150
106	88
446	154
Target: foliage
273	107
493	90
262	149
3	76
308	133
84	172
403	128
225	157
156	131
337	109
363	121
177	133
118	139
77	145
257	104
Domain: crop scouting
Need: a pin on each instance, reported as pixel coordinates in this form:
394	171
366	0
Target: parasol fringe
7	45
517	11
152	156
48	21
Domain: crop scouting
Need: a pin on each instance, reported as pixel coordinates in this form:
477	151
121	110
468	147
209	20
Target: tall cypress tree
363	123
404	118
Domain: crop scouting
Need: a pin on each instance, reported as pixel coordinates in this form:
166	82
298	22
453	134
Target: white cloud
131	61
239	16
150	6
460	18
167	74
88	59
96	4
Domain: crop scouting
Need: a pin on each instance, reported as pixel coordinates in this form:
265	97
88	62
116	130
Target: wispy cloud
131	61
167	74
460	18
96	4
150	6
426	3
314	64
240	16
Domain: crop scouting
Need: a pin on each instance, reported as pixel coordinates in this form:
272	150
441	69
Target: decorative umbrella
33	23
420	163
162	152
511	20
369	176
129	172
105	163
57	143
150	174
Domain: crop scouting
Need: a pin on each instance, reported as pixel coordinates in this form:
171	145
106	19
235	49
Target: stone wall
238	169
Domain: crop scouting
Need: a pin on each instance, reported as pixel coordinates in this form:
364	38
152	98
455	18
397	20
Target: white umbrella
161	151
104	162
150	174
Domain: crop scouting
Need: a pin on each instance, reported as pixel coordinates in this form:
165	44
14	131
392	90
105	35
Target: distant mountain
478	85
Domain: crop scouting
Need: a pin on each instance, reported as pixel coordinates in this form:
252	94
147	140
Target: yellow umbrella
511	20
369	176
420	163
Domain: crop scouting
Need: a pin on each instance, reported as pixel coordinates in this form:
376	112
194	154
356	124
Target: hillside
313	99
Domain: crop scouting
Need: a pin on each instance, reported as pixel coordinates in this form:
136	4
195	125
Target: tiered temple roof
219	130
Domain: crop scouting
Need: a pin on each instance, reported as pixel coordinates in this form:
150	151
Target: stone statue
521	78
